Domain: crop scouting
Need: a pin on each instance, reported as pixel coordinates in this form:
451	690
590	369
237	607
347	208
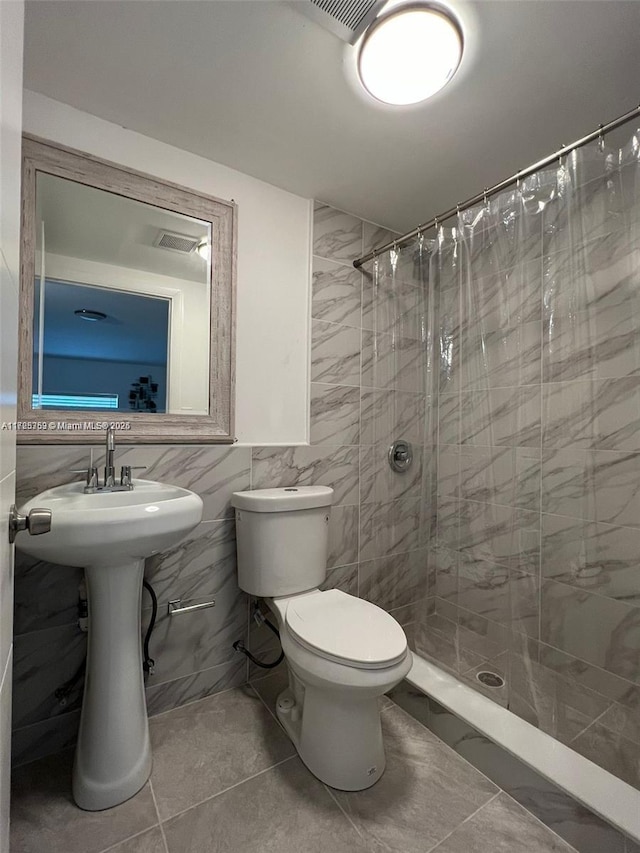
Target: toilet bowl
342	652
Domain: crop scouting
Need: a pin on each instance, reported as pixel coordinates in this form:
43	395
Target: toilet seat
345	629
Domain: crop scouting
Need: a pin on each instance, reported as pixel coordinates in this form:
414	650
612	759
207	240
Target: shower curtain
525	388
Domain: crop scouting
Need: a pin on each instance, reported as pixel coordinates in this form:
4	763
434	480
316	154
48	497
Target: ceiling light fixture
204	250
91	316
410	53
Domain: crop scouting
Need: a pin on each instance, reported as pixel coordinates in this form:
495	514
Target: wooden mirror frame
34	425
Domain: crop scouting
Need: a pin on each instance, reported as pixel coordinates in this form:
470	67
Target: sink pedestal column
113	755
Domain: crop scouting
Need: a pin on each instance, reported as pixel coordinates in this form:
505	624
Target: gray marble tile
395	580
375	236
578	826
600	273
598	344
335	353
448	523
203	748
45	594
336	235
500	534
212	472
446	567
506	357
595	629
167	695
420	769
199	565
265	646
398	307
42	662
596	557
324	465
503	827
335	414
393	362
387	415
50	736
449	418
44	817
597	485
188	643
503	595
500	234
343	536
503	475
599	680
448	470
501	417
389	528
622	721
612	751
150	841
508	298
284	810
344	578
483	636
379	483
599	415
336	293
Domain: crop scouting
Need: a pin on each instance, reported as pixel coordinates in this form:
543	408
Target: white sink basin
107	527
110	534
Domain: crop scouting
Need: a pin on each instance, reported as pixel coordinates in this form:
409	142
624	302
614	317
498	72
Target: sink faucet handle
125	473
91	473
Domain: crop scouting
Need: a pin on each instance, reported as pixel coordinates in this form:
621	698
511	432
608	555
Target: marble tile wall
537	542
377	546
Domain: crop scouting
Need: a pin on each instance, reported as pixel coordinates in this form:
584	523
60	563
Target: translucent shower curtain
529	315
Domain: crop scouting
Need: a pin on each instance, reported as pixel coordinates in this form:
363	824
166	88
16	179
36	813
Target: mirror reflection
122	303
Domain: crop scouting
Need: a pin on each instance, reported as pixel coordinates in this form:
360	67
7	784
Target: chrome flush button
400	455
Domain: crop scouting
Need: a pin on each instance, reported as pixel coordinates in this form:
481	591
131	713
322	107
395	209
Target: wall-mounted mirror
127	298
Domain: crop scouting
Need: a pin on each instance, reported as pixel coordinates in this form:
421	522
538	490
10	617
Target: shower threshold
600	791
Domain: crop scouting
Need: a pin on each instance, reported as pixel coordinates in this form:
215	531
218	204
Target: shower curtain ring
484	196
601	137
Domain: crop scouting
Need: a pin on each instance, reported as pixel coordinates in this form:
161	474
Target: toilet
342	653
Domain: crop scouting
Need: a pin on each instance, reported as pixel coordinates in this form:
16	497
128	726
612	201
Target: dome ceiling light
410	53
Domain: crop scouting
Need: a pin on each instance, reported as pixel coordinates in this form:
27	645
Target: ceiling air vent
173	242
346	19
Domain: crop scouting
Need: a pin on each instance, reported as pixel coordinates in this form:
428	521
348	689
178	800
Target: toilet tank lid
284	499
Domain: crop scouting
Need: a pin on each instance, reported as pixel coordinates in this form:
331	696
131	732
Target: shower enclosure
506	347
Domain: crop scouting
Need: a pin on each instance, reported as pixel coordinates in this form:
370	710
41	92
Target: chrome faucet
109	470
93	486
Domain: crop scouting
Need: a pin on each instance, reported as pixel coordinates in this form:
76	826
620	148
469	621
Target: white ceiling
85	222
259	87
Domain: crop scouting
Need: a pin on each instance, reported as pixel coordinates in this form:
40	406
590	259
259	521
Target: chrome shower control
400	455
37	521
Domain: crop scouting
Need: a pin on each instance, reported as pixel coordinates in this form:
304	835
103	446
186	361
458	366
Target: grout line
130	838
542	823
346	815
155	803
442	840
593	722
230	788
275	716
193	701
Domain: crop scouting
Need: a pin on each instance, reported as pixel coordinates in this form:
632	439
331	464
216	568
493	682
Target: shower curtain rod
524	173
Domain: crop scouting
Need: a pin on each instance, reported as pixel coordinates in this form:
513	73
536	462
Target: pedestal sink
109	534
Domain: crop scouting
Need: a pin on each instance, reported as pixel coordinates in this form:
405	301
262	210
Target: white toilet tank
282	539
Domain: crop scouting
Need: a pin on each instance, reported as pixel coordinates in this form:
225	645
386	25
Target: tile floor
226	779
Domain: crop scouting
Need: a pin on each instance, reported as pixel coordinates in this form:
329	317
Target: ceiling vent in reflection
346	19
172	242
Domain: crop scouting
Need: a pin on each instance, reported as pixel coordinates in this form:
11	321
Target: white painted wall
11	31
274	264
